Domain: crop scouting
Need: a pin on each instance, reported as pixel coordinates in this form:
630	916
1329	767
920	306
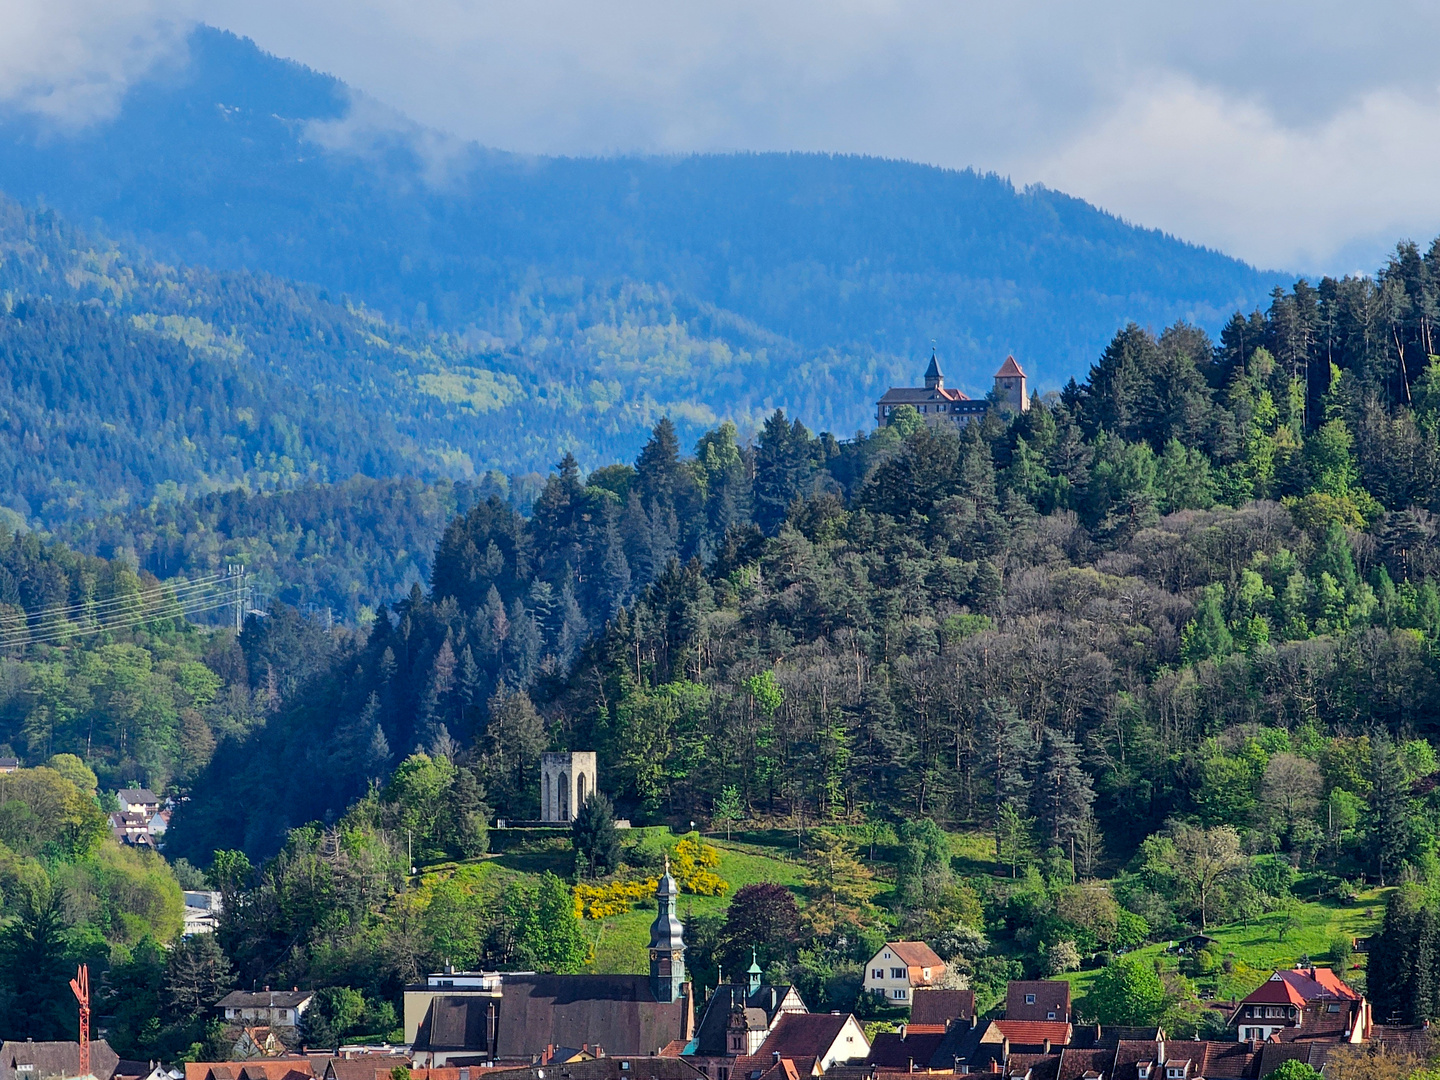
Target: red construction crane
80	987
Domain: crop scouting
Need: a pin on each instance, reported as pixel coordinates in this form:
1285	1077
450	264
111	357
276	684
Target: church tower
667	942
933	379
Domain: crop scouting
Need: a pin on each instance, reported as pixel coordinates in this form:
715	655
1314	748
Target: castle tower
667	942
933	379
1010	386
566	781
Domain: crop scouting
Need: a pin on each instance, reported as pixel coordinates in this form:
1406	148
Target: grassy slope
620	941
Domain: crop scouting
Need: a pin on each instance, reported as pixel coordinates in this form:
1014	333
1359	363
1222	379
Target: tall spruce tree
595	839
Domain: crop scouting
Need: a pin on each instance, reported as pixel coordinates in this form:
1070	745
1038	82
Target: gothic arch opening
579	791
564	785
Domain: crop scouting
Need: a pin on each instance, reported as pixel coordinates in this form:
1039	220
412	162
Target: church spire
667	941
933	379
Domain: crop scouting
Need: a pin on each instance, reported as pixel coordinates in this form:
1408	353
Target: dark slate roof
265	999
1085	1036
55	1059
892	1050
710	1034
606	1068
933	371
137	795
456	1023
941	1006
1274	1054
1033	1066
616	1012
962	1043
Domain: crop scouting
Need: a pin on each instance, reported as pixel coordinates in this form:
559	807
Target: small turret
1010	388
933	379
754	972
667	942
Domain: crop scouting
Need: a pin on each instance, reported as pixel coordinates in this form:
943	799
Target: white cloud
1227	173
71	60
1296	133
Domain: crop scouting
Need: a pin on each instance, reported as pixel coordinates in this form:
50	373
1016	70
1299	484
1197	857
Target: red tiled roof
1034	1032
1222	1060
1327	978
1074	1064
1051	995
915	954
941	1006
803	1035
1279	990
1009	370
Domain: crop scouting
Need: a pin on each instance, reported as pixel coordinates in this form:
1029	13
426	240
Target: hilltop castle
937	405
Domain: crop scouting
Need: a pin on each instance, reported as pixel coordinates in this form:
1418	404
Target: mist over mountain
704	286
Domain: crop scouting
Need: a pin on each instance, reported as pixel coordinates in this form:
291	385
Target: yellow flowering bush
693	864
614	898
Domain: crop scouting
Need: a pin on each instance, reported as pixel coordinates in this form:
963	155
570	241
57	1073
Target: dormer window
1175	1072
1050	1015
1029	999
1142	1070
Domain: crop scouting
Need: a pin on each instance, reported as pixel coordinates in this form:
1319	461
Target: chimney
974	1020
775	1056
902	1031
1045	1046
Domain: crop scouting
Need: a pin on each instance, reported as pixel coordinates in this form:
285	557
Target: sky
1298	136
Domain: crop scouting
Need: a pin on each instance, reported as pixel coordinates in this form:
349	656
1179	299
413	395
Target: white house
900	968
277	1008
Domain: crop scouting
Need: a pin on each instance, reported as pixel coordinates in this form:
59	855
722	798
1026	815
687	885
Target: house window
1029	999
897	973
898	995
877	973
1175	1073
1050	1015
1332	1007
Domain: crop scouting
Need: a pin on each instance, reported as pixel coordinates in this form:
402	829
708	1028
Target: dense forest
1166	640
705	287
1204	547
341	548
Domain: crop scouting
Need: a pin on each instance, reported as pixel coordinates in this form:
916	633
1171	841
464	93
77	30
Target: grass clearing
1257	950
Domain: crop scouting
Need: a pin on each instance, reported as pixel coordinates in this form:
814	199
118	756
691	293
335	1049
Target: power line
74	632
192	605
90	607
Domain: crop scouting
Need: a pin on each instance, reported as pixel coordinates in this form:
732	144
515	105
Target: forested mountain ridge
709	286
124	379
1174	558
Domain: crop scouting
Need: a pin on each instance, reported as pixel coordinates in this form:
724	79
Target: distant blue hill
706	286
